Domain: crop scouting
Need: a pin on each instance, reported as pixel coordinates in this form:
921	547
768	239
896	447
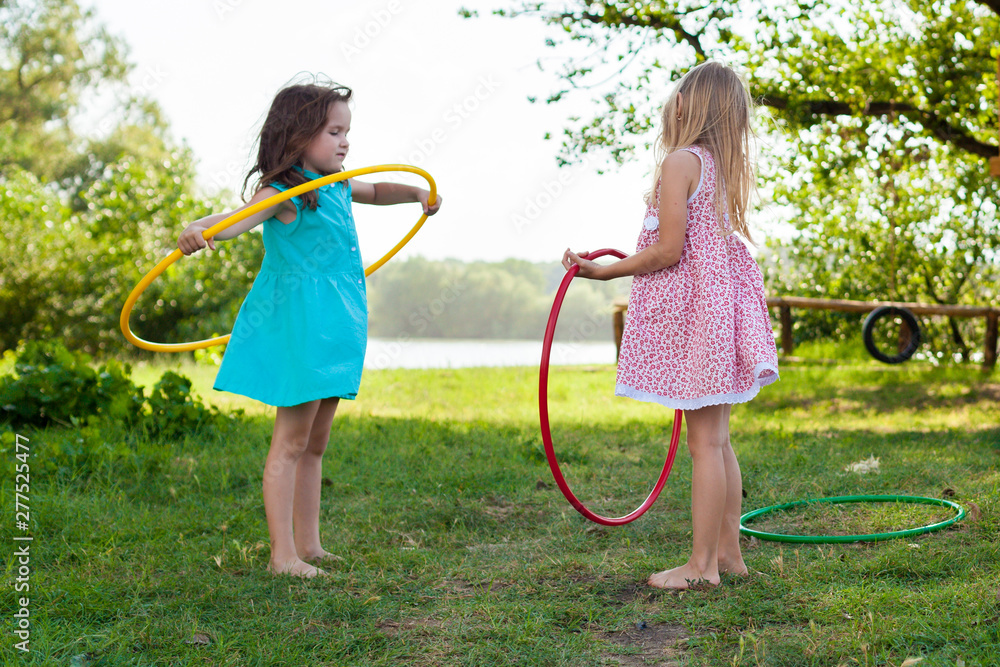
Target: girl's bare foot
735	566
319	556
296	568
683	577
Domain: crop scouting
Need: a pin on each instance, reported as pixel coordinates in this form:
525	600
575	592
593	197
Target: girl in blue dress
299	338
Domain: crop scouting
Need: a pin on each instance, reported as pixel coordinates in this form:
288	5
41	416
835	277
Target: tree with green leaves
82	218
52	53
420	298
881	116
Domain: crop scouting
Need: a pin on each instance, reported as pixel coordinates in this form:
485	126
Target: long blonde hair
715	113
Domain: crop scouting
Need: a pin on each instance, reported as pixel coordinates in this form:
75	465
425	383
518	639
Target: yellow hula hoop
245	213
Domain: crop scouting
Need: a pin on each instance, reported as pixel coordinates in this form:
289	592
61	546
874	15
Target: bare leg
730	557
707	436
292	426
309	480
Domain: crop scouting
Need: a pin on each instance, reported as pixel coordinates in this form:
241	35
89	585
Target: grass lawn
458	549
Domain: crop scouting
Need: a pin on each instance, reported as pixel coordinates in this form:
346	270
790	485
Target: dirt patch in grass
499	511
422	626
314	628
560	582
634	592
647	644
463	588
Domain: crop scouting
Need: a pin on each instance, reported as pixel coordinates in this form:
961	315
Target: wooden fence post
619	323
990	346
787	342
904	336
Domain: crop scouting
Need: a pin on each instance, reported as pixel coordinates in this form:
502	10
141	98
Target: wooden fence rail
784	304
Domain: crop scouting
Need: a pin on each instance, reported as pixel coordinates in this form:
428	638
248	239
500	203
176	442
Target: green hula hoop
826	539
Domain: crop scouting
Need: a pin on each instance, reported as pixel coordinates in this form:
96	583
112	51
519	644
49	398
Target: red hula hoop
543	414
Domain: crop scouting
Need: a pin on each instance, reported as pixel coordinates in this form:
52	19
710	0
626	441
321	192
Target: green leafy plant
173	409
51	384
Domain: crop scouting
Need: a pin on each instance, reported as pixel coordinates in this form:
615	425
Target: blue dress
302	330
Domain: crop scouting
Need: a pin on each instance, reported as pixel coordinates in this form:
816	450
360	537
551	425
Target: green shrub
52	385
173	410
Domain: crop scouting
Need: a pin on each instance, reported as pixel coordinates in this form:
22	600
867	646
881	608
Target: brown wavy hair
297	114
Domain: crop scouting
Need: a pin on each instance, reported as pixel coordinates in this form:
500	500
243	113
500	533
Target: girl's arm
191	239
383	194
680	174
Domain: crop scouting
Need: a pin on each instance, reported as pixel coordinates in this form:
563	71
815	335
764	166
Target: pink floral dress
697	333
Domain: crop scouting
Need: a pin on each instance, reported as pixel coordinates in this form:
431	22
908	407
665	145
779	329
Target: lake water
446	353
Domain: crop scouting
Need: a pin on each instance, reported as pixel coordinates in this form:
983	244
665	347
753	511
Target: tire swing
908	319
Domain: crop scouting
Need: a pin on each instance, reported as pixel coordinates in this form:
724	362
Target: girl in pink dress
698	334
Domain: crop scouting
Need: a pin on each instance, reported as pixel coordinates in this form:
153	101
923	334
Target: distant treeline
421	298
83	216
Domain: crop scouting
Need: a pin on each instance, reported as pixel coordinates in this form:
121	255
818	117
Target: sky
432	89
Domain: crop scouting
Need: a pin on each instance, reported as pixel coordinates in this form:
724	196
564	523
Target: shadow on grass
870	392
453	552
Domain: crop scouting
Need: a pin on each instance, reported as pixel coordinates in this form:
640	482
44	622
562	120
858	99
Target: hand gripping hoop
245	213
543	414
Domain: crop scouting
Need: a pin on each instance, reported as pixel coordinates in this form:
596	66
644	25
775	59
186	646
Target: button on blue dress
301	332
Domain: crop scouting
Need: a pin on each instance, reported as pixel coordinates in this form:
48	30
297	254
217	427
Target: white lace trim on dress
701	176
764	374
